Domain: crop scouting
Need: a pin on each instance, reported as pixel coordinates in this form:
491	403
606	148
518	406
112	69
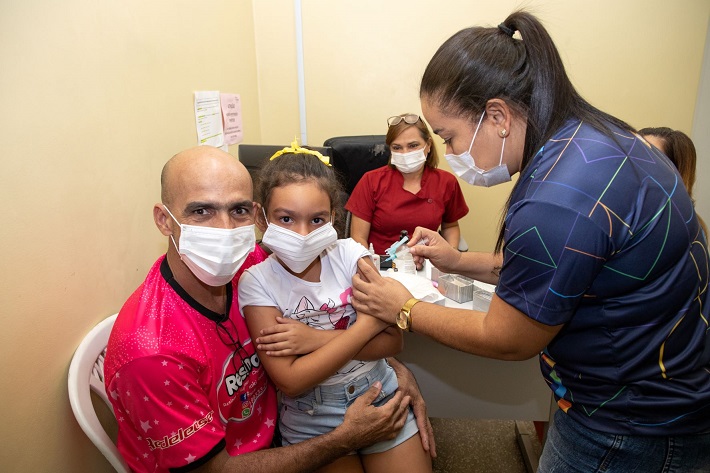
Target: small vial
406	263
375	257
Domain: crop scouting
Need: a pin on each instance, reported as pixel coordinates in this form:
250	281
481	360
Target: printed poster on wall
232	118
208	118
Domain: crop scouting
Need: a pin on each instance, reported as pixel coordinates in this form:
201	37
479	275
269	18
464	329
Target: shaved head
199	167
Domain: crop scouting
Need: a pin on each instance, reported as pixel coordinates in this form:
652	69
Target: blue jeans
572	447
321	410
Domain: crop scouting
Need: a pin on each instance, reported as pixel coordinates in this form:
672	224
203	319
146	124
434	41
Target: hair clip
295	149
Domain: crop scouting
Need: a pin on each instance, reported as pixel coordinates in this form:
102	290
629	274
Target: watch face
401	320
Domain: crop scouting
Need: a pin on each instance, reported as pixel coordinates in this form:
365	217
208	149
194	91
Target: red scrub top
378	198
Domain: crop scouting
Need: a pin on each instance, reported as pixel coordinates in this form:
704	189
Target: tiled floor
463	445
486	446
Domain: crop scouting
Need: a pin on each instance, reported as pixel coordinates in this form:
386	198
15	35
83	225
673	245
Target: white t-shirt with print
323	305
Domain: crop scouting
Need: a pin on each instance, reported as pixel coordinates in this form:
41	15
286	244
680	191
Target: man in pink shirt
186	385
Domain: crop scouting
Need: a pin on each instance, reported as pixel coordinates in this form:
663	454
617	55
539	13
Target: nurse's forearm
502	333
484	267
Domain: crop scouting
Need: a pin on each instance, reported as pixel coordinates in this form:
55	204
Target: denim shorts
572	447
321	410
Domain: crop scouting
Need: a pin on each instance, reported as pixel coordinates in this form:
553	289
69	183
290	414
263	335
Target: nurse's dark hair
298	168
478	64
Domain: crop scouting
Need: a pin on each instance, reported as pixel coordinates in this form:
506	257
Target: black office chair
352	157
253	156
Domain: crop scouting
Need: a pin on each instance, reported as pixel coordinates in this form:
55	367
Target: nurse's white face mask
465	167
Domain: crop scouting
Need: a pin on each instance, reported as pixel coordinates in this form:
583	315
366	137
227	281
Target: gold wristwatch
404	318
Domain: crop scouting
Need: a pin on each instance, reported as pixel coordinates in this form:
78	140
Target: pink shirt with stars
180	393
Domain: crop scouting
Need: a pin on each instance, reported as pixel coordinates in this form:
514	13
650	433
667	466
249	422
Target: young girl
308	279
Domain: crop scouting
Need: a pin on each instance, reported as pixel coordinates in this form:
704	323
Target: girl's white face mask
297	251
214	255
464	166
409	162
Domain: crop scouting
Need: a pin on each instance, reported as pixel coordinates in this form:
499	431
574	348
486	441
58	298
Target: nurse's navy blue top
601	236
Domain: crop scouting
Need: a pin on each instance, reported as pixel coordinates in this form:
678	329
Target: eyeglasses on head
409	118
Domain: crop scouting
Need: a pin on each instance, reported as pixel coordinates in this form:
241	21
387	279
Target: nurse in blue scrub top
601	266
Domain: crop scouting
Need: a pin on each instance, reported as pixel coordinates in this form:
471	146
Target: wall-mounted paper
232	118
208	118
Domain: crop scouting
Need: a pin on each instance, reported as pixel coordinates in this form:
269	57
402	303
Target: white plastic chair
86	374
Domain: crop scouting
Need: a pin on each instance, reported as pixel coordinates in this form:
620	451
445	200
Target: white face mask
297	251
464	166
214	255
409	162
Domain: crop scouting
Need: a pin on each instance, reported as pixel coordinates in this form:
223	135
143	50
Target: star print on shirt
269	423
146	425
190	458
167	382
238	443
165	363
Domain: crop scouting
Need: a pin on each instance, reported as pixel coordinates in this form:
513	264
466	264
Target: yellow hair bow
295	149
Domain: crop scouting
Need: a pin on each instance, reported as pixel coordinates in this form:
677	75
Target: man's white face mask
214	255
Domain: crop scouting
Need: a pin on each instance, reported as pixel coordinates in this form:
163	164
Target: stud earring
503	132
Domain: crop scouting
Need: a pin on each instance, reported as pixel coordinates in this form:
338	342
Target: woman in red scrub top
409	192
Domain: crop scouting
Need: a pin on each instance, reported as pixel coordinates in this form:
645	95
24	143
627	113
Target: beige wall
701	125
97	95
639	60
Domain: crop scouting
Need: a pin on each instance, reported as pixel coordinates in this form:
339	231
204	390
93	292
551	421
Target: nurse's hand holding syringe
428	244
